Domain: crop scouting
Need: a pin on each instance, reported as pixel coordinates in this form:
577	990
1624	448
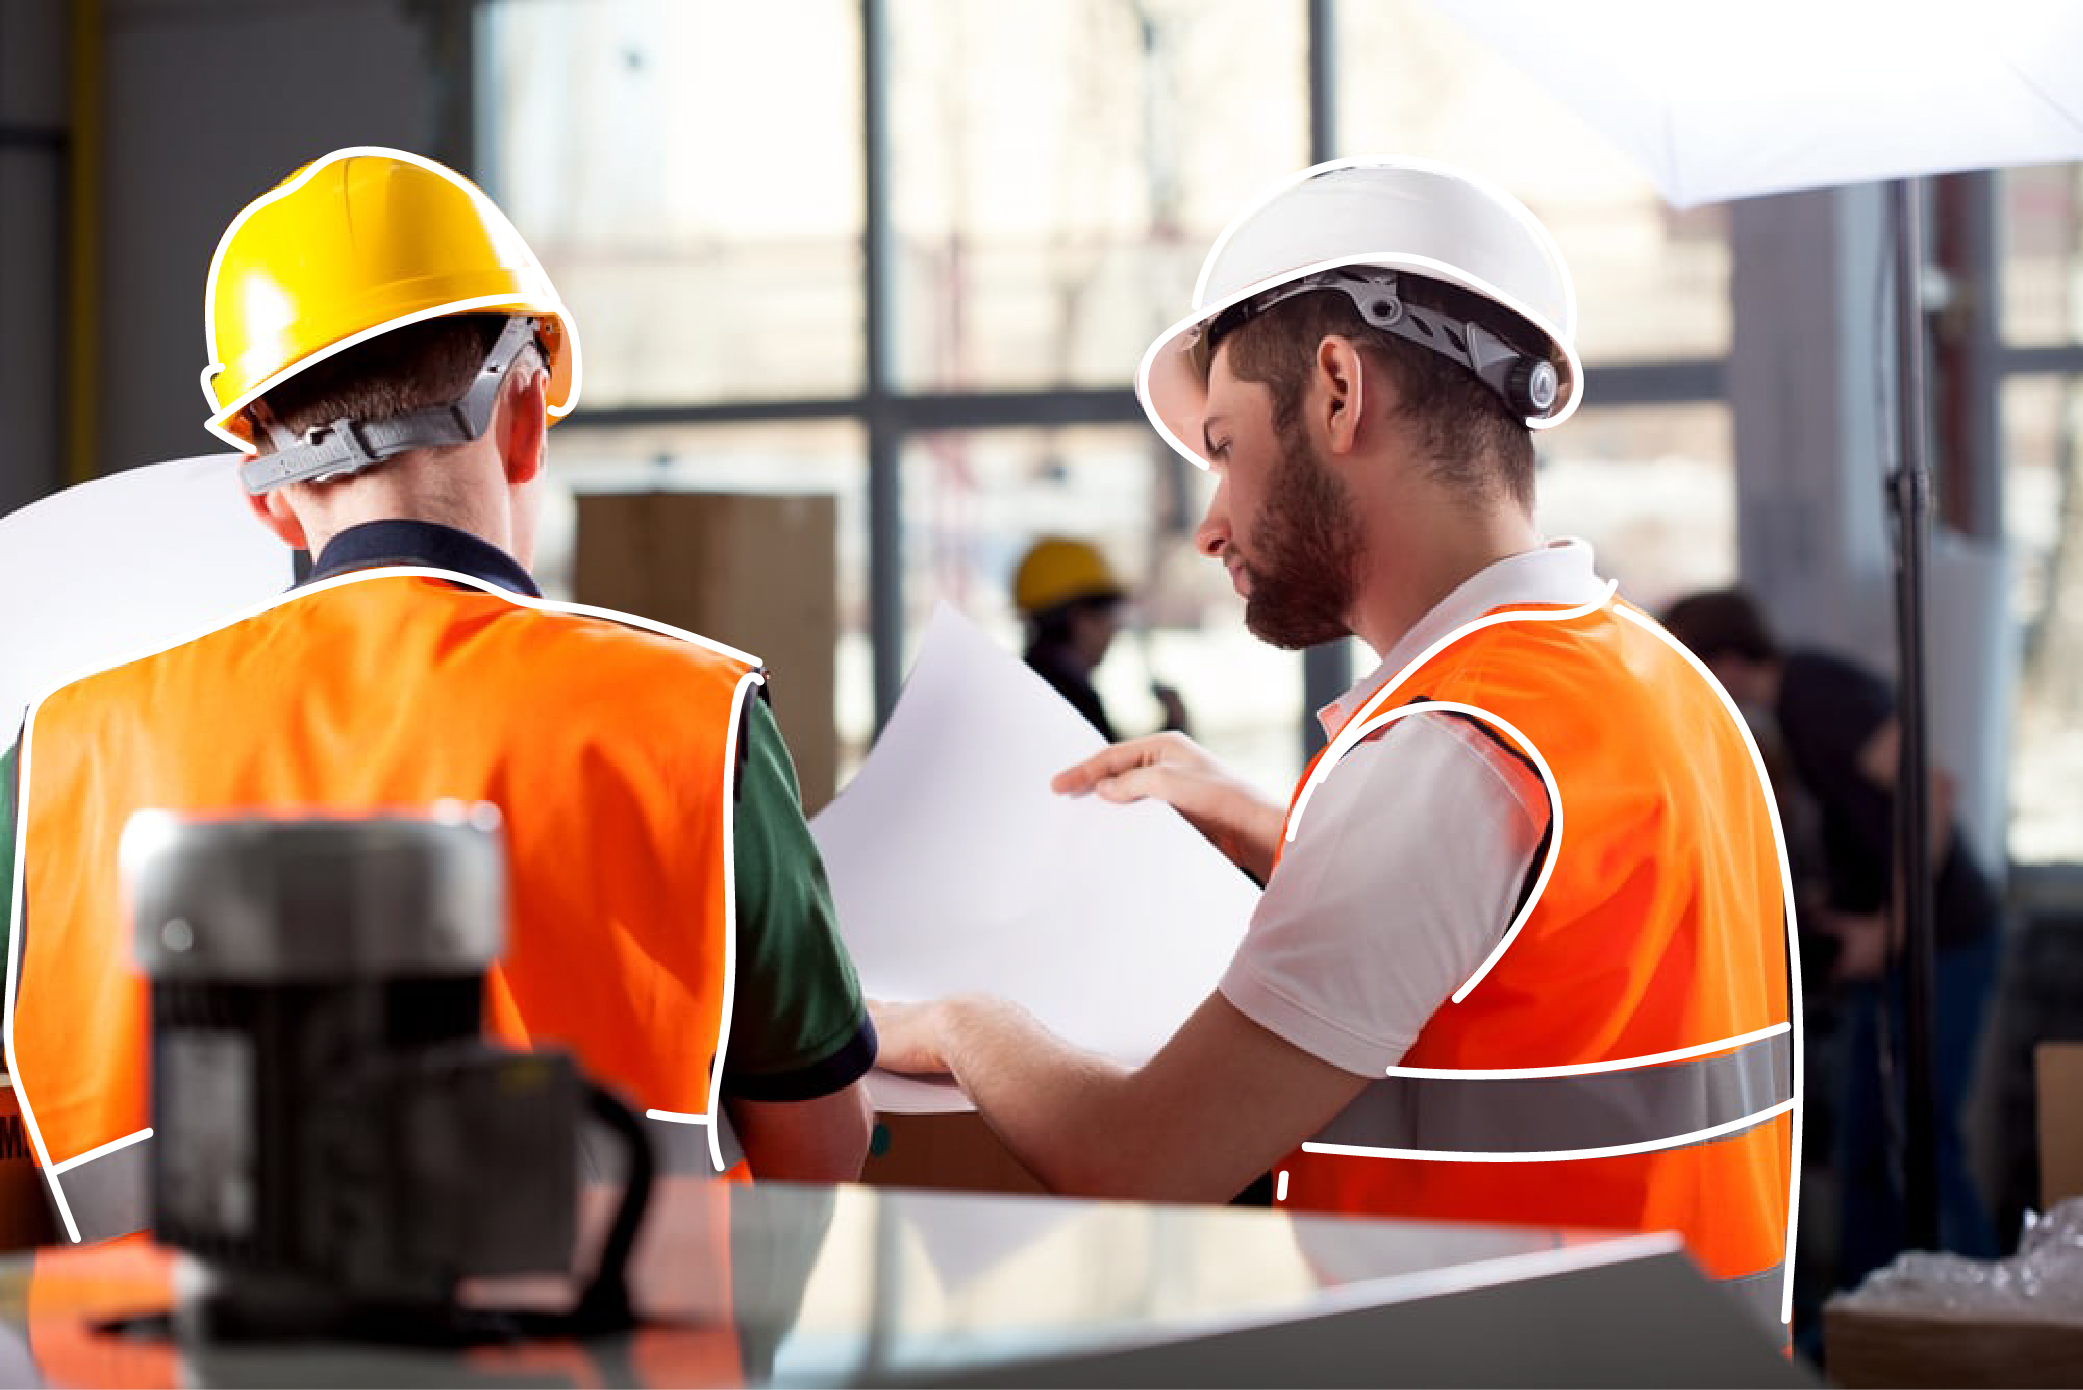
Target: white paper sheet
954	868
110	569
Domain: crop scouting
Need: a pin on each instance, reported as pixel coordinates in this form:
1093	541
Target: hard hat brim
1174	396
562	339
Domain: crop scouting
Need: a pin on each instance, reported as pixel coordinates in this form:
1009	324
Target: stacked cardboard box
755	571
1868	1347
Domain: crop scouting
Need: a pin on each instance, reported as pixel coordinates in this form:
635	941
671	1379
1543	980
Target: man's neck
1408	581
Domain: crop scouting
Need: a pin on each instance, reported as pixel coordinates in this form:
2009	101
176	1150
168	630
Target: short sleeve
1404	874
798	1028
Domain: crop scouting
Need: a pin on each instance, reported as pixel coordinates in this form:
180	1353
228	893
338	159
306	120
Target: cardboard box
1864	1348
2058	1068
956	1153
754	570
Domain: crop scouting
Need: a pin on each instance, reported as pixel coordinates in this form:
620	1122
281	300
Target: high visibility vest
609	749
1640	1014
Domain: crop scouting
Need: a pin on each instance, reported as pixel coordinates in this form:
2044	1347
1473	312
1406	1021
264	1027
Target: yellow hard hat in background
1057	569
359	242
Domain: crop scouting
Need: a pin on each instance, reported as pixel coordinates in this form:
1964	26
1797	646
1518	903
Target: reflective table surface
784	1284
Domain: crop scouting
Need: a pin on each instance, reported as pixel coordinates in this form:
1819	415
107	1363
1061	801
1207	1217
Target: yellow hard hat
355	244
1057	569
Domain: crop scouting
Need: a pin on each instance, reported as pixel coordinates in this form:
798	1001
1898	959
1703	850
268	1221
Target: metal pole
1326	669
885	474
83	262
451	29
1970	489
1910	488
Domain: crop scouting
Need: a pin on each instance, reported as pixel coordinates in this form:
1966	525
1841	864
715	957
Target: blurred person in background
1071	601
1836	724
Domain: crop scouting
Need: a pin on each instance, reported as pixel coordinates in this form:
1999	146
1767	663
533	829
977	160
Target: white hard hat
1363	227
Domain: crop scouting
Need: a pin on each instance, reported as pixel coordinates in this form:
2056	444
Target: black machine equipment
334	1142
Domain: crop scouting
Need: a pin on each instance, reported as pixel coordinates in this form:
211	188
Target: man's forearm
1055	1106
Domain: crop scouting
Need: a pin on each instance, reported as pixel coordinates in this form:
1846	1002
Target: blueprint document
955	869
124	565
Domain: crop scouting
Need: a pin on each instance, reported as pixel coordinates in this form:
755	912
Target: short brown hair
428	363
1474	443
1721	622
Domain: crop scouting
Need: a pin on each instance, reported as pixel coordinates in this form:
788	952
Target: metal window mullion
884	426
1326	669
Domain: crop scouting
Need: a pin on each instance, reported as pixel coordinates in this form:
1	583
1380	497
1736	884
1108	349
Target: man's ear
1339	373
522	425
275	513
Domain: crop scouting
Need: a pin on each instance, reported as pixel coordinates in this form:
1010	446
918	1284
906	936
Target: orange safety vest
609	750
1662	929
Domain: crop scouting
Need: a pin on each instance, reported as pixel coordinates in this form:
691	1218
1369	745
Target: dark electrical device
334	1142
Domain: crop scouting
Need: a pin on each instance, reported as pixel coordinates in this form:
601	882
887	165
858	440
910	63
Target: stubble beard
1305	553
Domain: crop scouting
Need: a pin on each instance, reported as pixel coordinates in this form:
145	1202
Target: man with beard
1445	1007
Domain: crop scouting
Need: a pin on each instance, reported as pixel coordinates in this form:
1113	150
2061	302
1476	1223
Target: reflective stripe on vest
107	1194
1490	1118
680	1144
1763	1296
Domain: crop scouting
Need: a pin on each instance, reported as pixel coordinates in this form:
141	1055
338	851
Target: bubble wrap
2043	1282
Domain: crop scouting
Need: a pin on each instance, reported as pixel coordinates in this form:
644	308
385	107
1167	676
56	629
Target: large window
694	174
2043	416
690	173
1651	282
1648	486
2041	320
1059	170
2042	272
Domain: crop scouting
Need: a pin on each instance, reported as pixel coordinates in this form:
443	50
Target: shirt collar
1560	572
428	544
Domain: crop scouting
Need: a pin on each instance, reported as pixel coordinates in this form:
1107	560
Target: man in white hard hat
1522	951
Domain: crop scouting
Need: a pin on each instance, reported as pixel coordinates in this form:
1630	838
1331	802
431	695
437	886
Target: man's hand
1220	1103
1863	941
1172	768
909	1037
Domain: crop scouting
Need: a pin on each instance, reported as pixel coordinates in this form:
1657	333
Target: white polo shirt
1405	873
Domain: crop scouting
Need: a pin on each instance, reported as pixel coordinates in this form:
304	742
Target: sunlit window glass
701	215
1059	171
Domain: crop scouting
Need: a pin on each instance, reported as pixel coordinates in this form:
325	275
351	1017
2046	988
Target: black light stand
1909	489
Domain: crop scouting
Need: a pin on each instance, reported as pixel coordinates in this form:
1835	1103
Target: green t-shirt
798	1026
